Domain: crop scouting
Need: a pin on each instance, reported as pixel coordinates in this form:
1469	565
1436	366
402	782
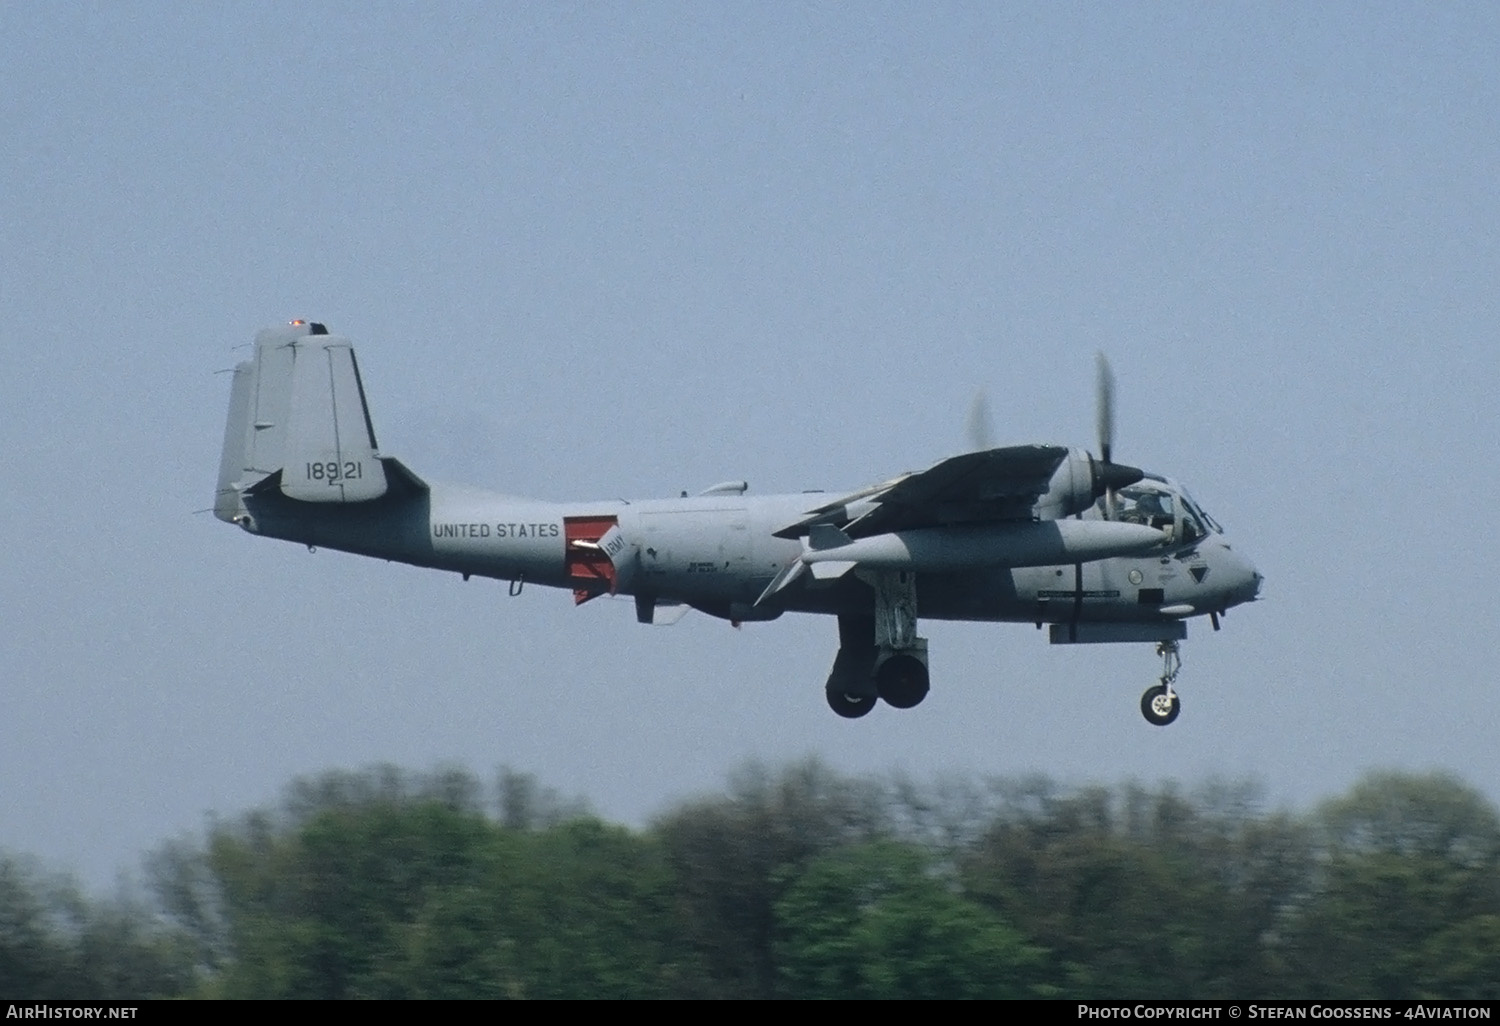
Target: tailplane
297	411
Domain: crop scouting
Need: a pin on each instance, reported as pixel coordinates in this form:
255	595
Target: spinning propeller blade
1113	475
1108	476
979	425
1104	408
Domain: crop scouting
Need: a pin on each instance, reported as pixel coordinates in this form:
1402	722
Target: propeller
979	425
1104	407
1110	474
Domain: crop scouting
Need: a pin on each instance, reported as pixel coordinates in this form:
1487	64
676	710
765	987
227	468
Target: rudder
299	408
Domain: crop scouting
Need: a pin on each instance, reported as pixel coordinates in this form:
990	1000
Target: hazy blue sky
597	250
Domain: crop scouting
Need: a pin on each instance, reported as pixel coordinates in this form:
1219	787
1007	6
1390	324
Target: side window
1201	520
1146	506
1192	528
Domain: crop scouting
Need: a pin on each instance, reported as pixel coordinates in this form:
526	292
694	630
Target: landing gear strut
880	656
901	657
1159	704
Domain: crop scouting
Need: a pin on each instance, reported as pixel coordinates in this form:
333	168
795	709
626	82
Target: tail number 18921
335	472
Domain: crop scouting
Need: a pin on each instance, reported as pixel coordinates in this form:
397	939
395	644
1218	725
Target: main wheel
851	707
902	681
1158	707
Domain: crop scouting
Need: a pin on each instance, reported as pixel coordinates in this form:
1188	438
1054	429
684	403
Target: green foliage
795	883
1405	902
319	908
378	888
55	943
1139	893
1089	896
731	858
876	921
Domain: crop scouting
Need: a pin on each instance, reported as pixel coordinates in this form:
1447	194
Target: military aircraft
1042	534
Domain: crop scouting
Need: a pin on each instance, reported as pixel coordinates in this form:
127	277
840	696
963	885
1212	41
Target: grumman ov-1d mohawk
1040	534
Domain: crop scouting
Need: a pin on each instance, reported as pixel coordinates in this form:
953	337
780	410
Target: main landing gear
862	673
851	683
880	656
849	706
902	679
1159	704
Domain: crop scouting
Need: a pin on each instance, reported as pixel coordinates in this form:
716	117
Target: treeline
799	882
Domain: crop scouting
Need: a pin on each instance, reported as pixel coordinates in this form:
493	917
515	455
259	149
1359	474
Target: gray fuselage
718	553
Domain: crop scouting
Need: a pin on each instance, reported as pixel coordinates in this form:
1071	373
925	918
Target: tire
902	681
850	707
1155	707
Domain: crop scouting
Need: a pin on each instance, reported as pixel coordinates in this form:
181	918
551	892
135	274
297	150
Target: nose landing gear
1159	704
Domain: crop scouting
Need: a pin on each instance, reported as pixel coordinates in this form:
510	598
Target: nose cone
1244	581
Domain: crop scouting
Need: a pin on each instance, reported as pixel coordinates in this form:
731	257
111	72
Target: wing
990	486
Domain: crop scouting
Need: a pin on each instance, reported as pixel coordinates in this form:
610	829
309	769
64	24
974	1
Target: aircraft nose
1247	579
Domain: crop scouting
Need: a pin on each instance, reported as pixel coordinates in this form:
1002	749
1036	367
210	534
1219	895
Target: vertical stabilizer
299	408
234	458
330	441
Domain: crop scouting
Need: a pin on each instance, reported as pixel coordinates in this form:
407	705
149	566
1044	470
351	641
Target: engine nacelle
1071	489
1078	481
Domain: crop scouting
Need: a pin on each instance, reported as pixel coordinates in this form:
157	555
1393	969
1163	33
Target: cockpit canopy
1157	502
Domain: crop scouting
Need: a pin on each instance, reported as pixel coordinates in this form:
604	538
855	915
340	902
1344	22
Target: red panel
589	569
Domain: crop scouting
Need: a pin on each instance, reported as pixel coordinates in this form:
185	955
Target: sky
599	250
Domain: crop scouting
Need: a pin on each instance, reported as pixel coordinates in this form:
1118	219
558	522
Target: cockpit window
1192	527
1137	505
1197	510
1164	507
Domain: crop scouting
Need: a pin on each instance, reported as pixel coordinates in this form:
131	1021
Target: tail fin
298	410
234	459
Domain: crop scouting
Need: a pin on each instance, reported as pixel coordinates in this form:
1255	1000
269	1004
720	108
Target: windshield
1166	507
1197	510
1142	504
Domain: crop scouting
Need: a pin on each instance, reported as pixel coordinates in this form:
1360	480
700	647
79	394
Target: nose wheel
1159	704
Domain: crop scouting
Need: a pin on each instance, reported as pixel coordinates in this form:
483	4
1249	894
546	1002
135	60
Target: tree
1406	899
1139	892
874	921
382	886
57	943
732	858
